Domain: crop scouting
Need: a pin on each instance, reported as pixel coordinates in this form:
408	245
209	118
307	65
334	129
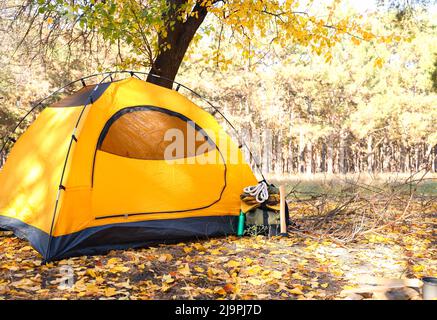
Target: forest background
363	106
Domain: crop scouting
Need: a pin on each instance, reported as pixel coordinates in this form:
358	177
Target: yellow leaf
185	270
337	273
297	276
113	261
296	291
188	249
91	288
118	269
109	292
91	272
276	274
418	268
255	281
233	264
11	268
309	295
199	269
165	257
167	278
367	36
99	280
355	41
253	270
212	272
165	287
378	239
125	285
199	247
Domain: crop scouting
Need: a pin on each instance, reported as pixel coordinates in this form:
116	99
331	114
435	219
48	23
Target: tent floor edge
37	238
141	234
129	235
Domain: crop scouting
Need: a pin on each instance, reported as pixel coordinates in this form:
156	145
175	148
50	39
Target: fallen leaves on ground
297	267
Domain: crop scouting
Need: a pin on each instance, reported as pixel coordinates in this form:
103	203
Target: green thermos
241	219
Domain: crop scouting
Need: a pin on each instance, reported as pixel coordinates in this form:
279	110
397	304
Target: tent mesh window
146	134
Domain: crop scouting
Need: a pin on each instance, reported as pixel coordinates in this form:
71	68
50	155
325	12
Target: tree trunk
330	162
267	151
342	156
309	158
278	153
408	159
290	156
323	158
429	158
416	155
317	151
356	160
301	151
402	161
370	154
434	160
178	37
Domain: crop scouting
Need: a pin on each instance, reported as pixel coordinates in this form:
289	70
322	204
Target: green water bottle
241	219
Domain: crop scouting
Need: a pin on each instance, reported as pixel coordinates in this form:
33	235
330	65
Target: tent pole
61	186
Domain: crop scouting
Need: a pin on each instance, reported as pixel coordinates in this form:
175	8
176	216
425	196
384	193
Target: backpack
264	221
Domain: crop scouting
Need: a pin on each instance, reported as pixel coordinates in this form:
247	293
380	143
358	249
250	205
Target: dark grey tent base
99	240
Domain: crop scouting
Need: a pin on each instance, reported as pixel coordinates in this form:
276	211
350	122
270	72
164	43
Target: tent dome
118	165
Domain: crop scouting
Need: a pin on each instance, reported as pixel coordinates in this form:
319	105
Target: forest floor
301	266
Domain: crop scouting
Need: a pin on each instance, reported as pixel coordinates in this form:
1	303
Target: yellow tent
102	169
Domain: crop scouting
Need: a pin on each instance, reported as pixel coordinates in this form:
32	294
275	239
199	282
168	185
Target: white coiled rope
260	191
